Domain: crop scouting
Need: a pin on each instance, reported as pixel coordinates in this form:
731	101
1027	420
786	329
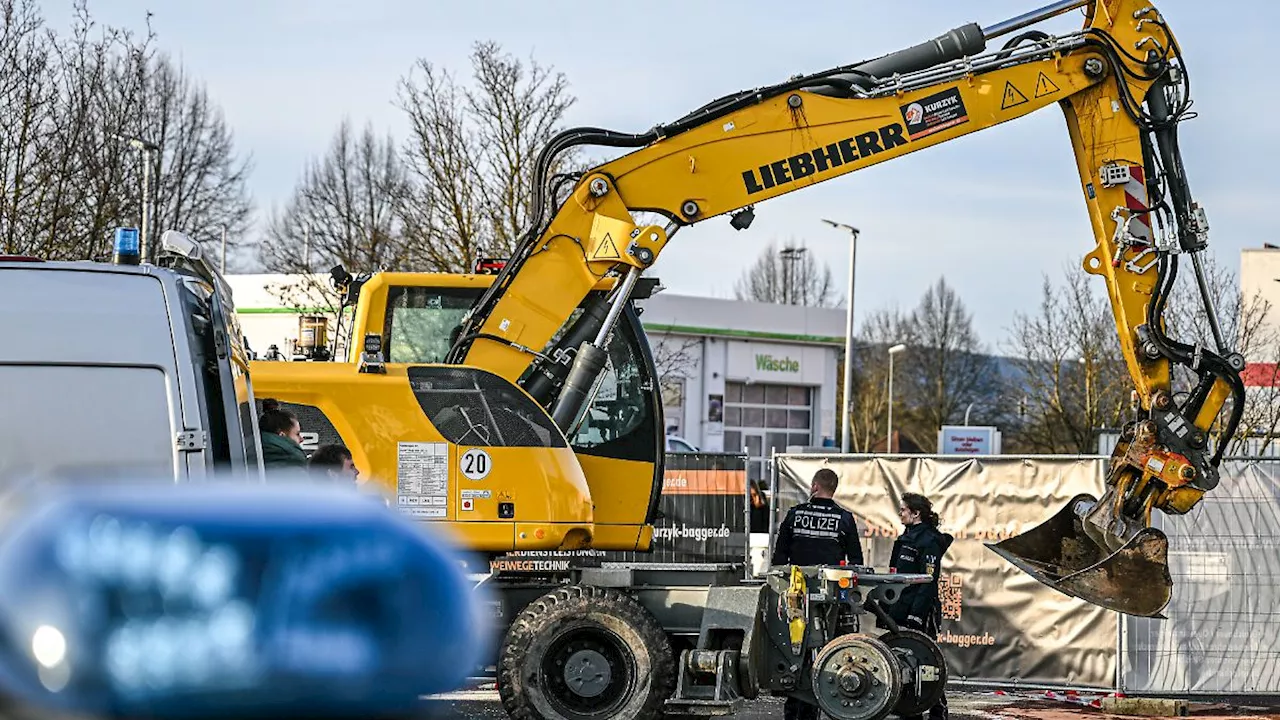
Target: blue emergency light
231	601
126	248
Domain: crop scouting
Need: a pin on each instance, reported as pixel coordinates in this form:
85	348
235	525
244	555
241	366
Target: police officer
919	550
818	532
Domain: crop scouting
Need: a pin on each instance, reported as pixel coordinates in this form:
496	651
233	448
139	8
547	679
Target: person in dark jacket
759	509
818	532
281	437
919	550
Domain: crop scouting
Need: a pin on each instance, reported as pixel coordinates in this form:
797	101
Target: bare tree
199	183
675	356
1071	379
346	210
26	112
676	359
471	153
790	276
869	399
944	368
1244	327
69	105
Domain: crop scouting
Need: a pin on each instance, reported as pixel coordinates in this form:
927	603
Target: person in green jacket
281	437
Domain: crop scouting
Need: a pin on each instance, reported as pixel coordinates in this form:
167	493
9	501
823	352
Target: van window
91	423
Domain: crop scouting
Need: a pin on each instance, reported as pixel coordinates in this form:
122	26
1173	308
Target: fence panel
702	519
999	625
702	512
1222	635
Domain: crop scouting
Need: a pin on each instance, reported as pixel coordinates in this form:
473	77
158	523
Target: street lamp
789	257
892	351
147	148
845	433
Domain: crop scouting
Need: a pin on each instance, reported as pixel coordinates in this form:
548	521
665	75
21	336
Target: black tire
597	628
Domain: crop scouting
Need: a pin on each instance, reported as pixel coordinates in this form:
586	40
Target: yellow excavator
519	409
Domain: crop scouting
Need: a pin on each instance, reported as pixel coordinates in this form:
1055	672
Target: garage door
763	417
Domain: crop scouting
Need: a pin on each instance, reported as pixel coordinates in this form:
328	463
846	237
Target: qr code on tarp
949	595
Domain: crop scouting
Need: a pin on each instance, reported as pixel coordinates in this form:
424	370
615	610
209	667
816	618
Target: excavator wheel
585	653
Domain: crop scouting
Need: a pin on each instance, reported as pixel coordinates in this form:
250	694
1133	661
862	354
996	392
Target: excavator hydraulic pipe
588	365
1031	18
961	42
548	375
619	300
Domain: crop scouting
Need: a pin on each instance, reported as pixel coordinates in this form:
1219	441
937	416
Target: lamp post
845	433
889	439
789	257
147	148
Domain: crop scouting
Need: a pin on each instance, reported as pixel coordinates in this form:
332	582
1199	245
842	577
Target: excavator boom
1122	86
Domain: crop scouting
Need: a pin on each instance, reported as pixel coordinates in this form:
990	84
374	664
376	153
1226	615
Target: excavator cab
402	327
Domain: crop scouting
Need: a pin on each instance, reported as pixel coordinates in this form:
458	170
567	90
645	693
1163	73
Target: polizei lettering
823	159
816	524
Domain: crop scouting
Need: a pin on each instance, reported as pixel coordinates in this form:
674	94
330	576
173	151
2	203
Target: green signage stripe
756	334
650	327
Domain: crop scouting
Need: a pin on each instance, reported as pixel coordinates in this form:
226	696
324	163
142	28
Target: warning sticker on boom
1012	97
422	479
1045	86
935	113
606	250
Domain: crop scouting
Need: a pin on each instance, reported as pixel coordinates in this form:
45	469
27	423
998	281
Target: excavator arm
1123	88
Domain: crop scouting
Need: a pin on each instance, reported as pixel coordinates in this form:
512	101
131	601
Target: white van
122	370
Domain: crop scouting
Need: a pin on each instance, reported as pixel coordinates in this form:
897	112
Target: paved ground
483	703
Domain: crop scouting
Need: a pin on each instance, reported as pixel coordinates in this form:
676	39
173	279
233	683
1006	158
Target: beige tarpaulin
999	624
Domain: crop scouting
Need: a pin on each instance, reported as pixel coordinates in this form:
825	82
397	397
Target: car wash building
735	375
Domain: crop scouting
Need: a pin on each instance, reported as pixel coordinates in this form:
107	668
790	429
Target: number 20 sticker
476	464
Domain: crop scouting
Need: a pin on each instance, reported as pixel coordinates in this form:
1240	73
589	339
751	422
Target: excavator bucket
1075	556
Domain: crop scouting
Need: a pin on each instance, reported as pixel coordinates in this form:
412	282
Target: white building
1260	275
746	375
735	374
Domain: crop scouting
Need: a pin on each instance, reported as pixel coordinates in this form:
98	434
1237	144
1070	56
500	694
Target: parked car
675	443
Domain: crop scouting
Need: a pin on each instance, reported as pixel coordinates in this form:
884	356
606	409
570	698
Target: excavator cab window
473	407
420	321
622	421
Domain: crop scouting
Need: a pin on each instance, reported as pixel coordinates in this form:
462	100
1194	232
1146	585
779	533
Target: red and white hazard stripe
1135	198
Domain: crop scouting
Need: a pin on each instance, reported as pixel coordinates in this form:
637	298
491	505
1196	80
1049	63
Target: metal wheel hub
856	677
587	673
850	683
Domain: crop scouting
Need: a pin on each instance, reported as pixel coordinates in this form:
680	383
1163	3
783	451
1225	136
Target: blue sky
992	212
